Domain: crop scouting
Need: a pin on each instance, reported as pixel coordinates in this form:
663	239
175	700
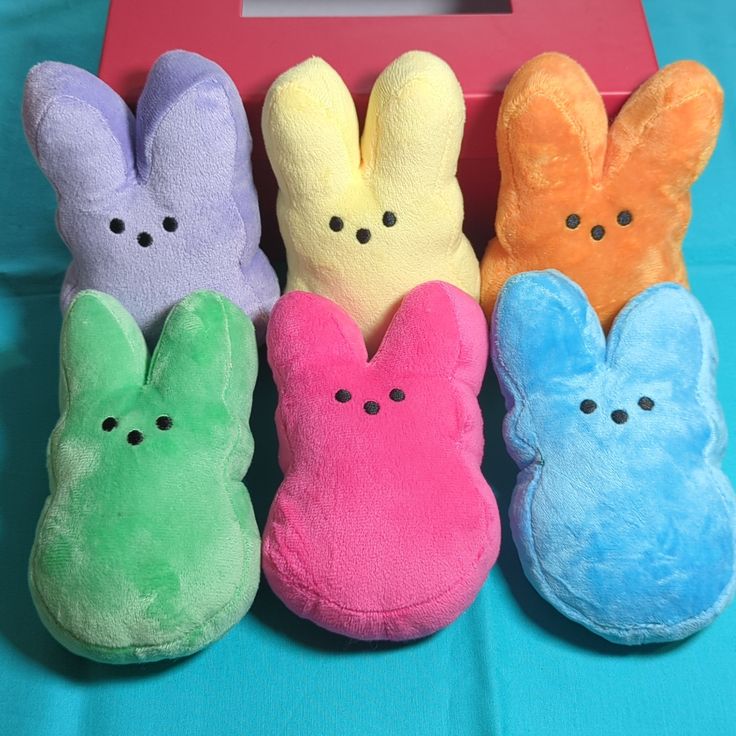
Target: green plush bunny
147	547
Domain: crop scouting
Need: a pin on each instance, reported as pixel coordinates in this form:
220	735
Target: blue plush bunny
155	206
621	514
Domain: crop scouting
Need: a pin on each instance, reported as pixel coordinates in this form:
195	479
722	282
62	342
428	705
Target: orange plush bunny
607	207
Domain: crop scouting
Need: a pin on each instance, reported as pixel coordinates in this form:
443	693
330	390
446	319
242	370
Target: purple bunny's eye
170	224
117	225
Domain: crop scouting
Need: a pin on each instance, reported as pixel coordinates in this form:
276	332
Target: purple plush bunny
156	206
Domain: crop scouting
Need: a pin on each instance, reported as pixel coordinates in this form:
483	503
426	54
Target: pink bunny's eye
396	394
343	396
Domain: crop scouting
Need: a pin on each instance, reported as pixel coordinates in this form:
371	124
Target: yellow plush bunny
364	221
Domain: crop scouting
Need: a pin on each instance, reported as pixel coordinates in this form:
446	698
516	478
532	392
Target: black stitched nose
371	407
597	232
145	239
363	235
619	416
135	437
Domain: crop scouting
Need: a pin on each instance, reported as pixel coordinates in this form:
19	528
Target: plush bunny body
384	527
157	206
621	514
364	221
607	207
147	547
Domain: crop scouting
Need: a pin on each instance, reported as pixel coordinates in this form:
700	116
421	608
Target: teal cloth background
512	665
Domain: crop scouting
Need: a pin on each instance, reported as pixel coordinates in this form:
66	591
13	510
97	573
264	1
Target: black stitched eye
624	218
170	224
588	406
109	424
572	221
343	396
336	224
389	219
117	225
144	239
646	403
396	394
164	422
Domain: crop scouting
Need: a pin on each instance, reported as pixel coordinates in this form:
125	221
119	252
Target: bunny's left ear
102	348
207	351
664	335
544	333
668	128
414	123
438	330
193	137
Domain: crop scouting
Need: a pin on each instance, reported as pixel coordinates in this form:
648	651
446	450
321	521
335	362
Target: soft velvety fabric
147	547
185	156
561	165
384	527
404	164
621	514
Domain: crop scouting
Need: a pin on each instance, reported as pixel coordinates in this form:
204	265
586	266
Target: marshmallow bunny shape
157	206
364	221
608	207
147	547
384	527
621	514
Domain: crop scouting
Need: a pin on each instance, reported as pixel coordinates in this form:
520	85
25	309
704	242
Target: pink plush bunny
384	527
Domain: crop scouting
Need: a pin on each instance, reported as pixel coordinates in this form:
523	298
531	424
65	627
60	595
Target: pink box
611	40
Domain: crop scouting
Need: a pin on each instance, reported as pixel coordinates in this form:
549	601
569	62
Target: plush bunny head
621	514
384	527
147	546
364	221
156	206
608	207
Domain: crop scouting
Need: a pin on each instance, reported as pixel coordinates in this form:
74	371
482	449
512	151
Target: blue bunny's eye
588	406
646	403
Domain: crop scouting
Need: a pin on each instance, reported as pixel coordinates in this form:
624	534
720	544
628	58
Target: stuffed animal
147	547
156	206
384	527
621	514
366	221
607	207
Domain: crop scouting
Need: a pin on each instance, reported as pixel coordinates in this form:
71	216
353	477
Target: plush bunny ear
193	138
307	331
310	129
552	126
207	352
668	128
437	330
414	123
544	332
79	130
664	334
102	348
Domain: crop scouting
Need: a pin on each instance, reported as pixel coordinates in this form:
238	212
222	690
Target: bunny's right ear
207	353
102	348
544	332
310	129
79	130
307	332
552	126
